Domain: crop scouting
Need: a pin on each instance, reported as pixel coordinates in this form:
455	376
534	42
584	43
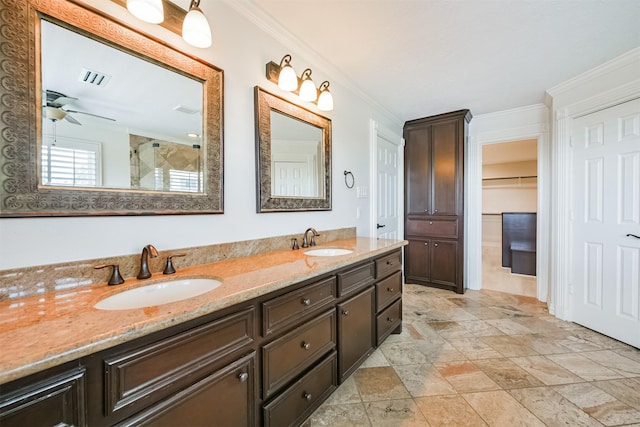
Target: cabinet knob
307	396
430	222
305	345
306	301
426	210
389	262
435	244
389	289
426	243
345	312
243	377
436	210
390	319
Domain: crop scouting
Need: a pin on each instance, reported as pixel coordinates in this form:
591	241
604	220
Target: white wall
241	48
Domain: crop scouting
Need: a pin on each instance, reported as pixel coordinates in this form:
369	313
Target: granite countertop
46	330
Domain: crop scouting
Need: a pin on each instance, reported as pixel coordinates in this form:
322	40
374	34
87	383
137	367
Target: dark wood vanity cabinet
434	199
269	361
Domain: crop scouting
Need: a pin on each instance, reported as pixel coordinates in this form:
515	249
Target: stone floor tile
614	361
508	346
545	370
552	408
499	409
626	390
395	413
439	351
347	392
474	348
448	411
583	367
423	380
375	360
402	353
379	384
342	415
480	328
507	374
509	327
599	404
466	377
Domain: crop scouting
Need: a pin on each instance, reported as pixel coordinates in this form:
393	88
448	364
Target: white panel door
387	189
606	218
291	179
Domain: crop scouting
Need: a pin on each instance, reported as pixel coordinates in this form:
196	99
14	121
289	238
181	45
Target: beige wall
511	194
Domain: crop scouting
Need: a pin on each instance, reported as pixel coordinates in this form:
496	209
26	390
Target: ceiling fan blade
57	99
70	119
91	114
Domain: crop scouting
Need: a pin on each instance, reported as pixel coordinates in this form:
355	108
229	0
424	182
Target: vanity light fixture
195	27
308	91
285	76
325	99
151	11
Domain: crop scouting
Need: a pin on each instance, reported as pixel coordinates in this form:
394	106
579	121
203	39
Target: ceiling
510	152
422	57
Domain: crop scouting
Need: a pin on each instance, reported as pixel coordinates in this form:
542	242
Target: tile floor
487	358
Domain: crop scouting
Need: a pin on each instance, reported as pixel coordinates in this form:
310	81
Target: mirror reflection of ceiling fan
54	109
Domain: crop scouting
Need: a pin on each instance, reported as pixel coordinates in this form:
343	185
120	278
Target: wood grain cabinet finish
286	357
356	331
224	398
159	369
55	401
388	264
294	405
290	308
387	321
388	290
434	193
354	279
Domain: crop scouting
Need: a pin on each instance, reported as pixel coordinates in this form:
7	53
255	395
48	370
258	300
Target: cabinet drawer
292	307
160	369
286	357
388	320
388	290
357	278
446	228
388	264
56	401
302	398
202	404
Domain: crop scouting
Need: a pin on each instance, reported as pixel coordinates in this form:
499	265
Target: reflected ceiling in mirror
26	125
97	105
293	148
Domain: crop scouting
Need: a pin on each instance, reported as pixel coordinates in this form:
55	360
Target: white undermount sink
158	293
328	252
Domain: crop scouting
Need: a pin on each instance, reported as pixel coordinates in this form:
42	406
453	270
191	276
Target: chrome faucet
147	251
305	241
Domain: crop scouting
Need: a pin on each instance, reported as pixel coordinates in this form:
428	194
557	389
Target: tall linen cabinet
434	199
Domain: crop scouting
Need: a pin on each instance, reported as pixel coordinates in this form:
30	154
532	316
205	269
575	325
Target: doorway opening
509	210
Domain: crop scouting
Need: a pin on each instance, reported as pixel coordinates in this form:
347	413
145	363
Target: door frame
377	130
473	191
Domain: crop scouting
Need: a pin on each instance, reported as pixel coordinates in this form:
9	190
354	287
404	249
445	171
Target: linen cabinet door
417	261
356	334
417	159
444	152
444	262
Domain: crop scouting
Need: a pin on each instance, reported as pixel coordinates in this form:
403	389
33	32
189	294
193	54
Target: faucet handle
295	244
115	278
169	268
313	238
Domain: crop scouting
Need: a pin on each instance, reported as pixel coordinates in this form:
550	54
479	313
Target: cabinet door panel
417	261
355	331
417	159
444	262
445	164
203	403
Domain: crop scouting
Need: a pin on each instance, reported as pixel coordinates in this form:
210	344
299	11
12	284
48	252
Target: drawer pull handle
390	319
307	396
243	377
345	312
306	301
305	345
389	289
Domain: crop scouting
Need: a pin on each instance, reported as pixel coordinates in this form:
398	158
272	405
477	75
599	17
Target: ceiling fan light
308	91
325	100
150	11
54	114
195	27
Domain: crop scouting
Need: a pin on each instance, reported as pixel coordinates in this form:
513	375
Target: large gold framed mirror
293	156
99	119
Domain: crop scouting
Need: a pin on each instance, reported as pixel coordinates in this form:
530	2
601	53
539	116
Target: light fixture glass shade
308	91
195	29
287	79
150	11
325	100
